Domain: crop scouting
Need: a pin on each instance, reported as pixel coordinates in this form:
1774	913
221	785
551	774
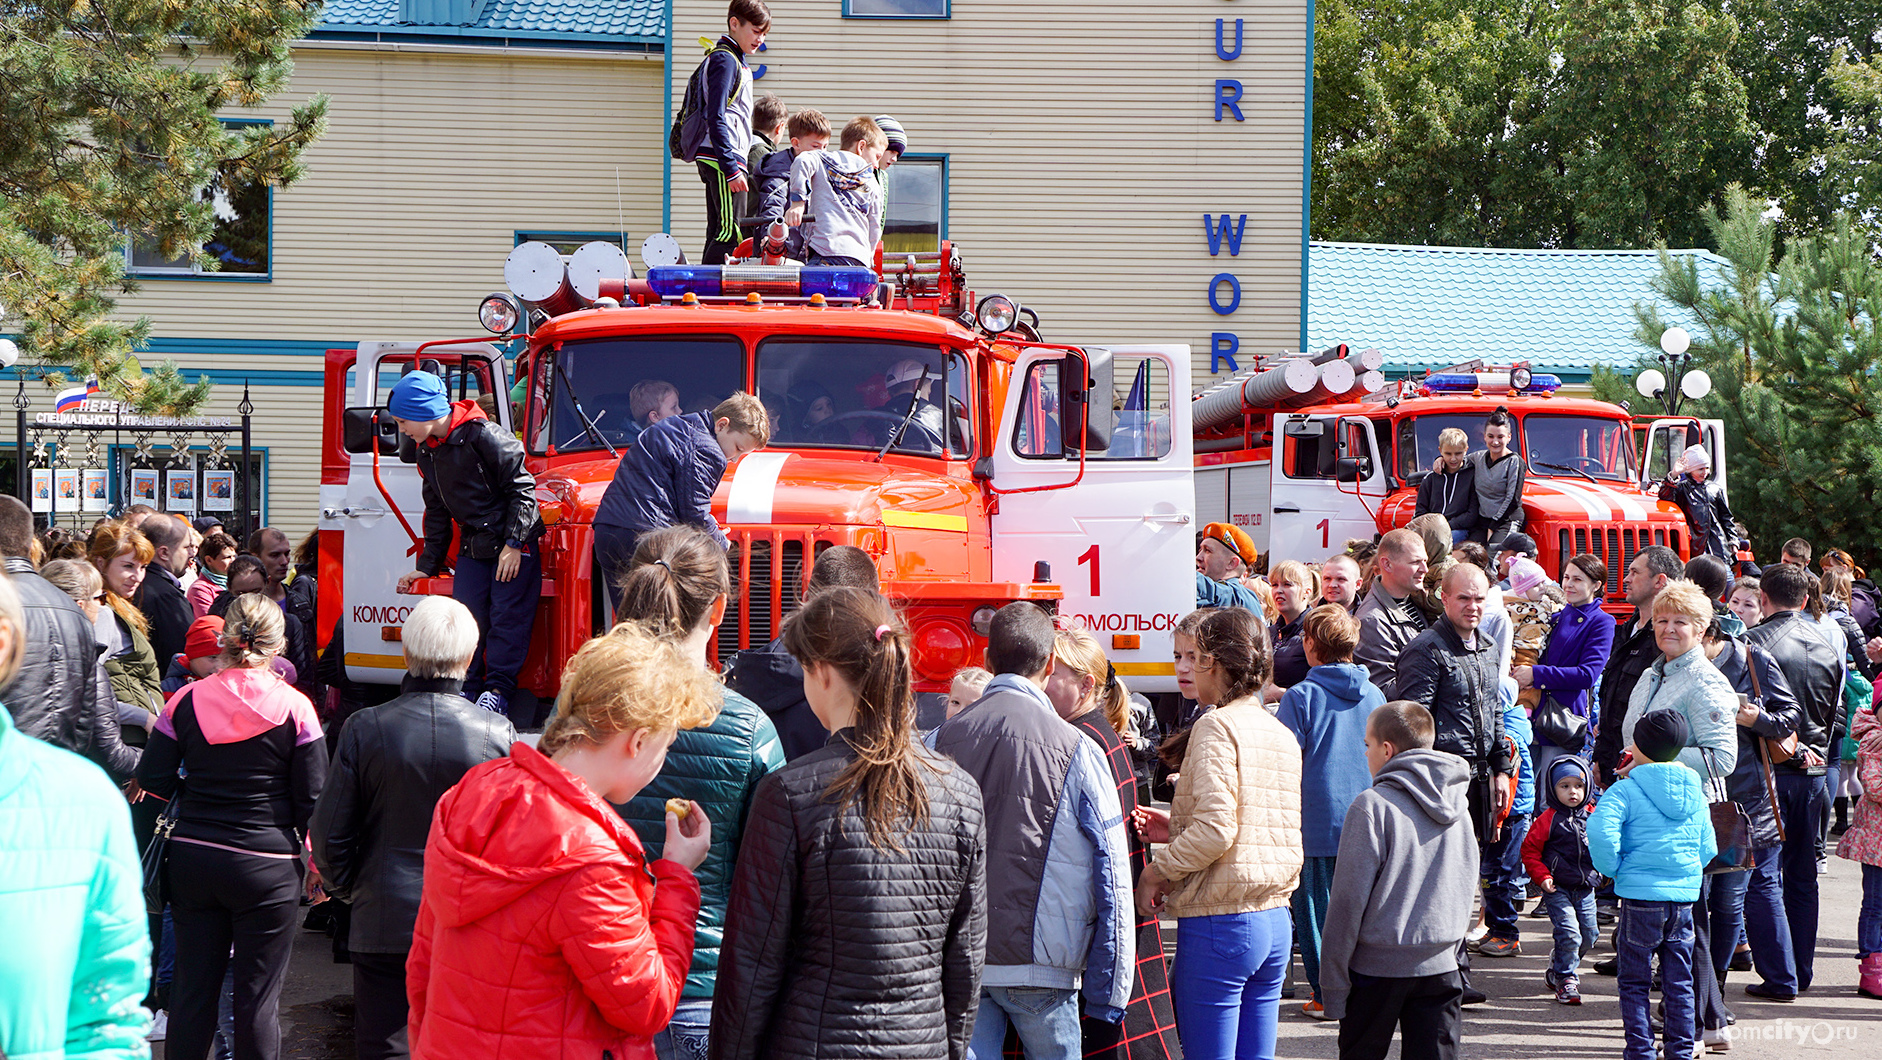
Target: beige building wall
1082	149
432	159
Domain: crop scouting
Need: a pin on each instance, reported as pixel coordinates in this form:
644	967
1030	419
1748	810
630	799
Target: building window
897	8
917	216
566	242
243	240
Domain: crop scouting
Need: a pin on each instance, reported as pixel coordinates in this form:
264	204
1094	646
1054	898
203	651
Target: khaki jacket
1235	821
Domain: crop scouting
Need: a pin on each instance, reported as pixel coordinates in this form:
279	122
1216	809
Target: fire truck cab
1310	471
975	463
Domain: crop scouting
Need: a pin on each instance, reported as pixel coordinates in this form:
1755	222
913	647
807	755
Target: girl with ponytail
676	588
858	916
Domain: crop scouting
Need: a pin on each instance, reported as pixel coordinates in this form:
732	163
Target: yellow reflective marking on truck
383	662
925	520
1152	669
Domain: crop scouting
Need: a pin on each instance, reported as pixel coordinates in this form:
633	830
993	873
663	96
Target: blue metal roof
637	20
1564	311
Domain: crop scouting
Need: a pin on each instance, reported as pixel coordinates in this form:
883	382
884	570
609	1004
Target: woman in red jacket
543	930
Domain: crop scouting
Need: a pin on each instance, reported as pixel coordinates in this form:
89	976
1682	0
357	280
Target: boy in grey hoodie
840	192
1402	891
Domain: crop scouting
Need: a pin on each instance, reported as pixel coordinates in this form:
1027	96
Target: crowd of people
1377	761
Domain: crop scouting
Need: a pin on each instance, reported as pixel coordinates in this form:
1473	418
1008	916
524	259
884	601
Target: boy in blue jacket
1653	834
668	478
1327	713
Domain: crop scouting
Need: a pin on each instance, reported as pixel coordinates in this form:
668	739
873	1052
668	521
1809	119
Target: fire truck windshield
1556	445
865	394
614	388
1578	446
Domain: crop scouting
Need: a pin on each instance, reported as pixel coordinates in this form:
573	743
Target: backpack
690	127
1865	608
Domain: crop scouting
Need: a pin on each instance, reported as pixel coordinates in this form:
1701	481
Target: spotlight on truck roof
499	313
997	313
1520	378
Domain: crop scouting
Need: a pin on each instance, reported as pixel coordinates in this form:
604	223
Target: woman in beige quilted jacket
1233	852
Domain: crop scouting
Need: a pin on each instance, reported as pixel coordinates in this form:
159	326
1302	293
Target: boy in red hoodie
475	480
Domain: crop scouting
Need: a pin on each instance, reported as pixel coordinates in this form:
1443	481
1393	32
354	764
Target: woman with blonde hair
544	929
77	956
120	553
240	758
1086	691
1295	585
859	912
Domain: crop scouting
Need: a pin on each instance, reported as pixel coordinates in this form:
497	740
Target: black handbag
1555	722
157	853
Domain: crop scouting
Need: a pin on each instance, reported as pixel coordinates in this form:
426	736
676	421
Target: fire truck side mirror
1086	398
361	426
1354	468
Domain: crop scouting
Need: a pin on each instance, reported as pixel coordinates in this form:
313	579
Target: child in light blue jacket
1652	833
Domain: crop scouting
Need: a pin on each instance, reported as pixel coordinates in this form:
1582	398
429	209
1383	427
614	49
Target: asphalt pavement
1520	1020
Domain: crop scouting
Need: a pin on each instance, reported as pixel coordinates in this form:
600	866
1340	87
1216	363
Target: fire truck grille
767	578
1616	545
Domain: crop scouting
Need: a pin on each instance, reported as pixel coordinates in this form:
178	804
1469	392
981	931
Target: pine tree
112	128
1795	357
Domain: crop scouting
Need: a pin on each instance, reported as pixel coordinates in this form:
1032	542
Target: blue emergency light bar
836	284
1465	382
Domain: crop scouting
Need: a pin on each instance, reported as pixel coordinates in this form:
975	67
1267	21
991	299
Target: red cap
204	638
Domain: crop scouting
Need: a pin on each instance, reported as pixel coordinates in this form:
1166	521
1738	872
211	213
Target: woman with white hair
393	763
70	912
240	758
1690	486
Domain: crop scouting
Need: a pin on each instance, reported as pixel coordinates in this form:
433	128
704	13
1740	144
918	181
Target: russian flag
70	400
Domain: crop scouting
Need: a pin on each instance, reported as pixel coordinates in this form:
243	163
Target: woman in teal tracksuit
77	954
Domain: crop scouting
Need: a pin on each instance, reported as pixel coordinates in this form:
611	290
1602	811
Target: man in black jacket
475	478
1452	671
1634	651
771	678
161	597
1814	671
60	693
369	828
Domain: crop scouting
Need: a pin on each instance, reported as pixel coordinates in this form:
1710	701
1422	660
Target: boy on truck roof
727	104
809	131
840	189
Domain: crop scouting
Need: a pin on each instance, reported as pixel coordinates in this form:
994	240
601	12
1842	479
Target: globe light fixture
1675	341
1650	383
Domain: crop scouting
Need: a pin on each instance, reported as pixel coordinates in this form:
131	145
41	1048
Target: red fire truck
1352	450
1054	473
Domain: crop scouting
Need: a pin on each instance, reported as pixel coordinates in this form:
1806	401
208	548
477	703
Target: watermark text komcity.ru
1803	1032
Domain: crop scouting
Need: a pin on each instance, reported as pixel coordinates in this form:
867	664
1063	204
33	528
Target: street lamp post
1672	382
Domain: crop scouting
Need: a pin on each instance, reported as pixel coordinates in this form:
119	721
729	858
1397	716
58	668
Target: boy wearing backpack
714	128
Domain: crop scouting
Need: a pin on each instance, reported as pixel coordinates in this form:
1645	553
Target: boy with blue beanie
1652	833
475	483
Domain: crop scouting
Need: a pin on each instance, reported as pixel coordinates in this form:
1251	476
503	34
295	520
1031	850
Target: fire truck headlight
983	621
499	313
997	313
942	647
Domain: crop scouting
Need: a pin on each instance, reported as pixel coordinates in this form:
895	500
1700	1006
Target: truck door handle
1179	518
1291	509
349	512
